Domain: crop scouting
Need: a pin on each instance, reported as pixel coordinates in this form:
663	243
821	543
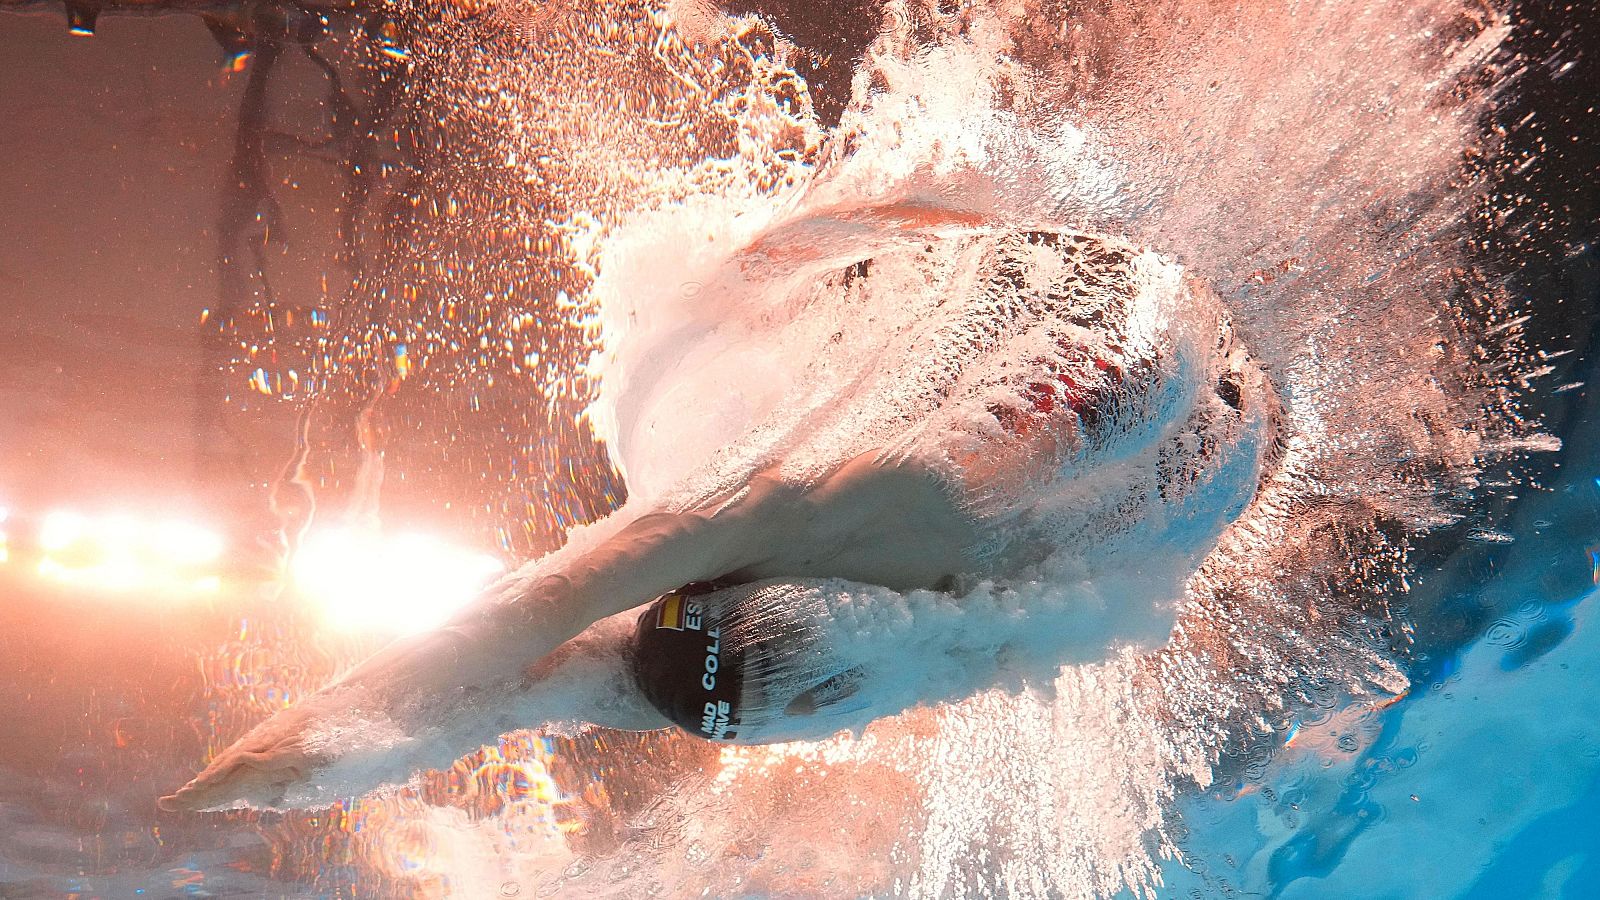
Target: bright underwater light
125	553
359	579
362	580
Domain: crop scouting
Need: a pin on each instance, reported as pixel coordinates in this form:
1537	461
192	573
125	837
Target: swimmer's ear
803	705
810	701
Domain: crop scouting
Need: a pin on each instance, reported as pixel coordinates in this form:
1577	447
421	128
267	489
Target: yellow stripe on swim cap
670	613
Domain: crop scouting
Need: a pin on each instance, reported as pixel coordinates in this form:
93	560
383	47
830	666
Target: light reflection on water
114	703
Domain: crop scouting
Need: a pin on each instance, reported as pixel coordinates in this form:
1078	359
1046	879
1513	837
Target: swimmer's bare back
870	520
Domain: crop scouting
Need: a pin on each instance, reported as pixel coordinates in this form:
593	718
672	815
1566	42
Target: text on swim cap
713	659
714	722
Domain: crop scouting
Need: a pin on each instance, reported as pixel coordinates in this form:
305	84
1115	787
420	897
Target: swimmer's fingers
287	751
256	770
238	779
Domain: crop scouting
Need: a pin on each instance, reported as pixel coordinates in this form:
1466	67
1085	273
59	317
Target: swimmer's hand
262	768
424	701
419	703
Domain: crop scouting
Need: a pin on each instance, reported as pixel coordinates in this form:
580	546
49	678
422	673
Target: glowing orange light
123	553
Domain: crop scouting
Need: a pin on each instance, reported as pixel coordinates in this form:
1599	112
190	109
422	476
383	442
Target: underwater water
483	272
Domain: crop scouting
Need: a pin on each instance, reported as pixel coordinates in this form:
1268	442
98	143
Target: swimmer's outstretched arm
331	746
425	700
868	521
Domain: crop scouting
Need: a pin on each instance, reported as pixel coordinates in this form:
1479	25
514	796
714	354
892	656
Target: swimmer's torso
977	406
1046	384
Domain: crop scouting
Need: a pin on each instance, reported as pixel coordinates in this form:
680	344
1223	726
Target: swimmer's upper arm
561	595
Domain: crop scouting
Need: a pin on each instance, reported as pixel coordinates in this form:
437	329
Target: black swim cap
744	663
685	668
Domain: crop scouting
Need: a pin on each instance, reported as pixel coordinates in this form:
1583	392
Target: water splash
1315	167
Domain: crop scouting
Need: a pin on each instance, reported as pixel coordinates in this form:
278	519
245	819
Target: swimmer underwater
1057	404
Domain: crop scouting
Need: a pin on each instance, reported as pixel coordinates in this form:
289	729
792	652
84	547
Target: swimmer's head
747	664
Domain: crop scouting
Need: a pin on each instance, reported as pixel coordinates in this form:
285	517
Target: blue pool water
1484	781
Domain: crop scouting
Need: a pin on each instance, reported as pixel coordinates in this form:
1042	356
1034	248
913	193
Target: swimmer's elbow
652	554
